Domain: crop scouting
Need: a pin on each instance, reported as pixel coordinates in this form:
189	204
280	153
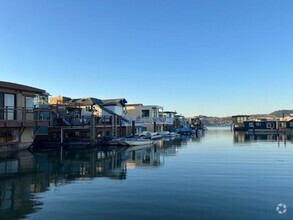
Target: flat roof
134	104
234	116
170	112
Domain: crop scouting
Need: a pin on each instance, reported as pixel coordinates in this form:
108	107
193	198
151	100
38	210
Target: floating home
243	123
238	122
262	125
18	115
148	115
83	121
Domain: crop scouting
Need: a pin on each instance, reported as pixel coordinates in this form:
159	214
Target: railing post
23	115
6	113
38	117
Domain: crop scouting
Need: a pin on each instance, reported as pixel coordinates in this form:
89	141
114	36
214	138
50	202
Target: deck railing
18	117
150	120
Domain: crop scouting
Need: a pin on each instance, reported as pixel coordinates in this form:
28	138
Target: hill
280	113
210	120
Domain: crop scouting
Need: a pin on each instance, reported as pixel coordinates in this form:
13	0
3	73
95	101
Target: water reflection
19	179
245	137
24	174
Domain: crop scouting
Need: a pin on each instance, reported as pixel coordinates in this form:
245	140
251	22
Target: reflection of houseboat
73	164
143	156
245	137
18	179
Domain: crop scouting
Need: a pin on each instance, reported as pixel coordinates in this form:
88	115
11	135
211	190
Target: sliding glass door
9	103
7	106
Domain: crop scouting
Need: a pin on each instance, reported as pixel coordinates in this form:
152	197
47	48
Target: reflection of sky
213	178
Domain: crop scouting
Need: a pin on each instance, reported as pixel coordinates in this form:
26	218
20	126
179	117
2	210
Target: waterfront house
83	120
180	121
18	115
197	123
261	125
168	118
238	122
115	110
149	115
286	123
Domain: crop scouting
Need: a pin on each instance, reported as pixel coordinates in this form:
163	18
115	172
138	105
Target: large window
7	106
29	104
145	113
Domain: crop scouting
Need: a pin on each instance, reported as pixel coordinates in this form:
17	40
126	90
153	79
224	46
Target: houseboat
269	125
238	122
83	121
261	125
18	115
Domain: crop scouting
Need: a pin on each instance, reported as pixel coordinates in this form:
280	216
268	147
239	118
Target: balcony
24	117
151	120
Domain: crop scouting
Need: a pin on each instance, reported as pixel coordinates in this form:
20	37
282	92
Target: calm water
219	175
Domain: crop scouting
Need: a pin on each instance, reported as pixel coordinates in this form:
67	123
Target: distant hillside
280	113
210	120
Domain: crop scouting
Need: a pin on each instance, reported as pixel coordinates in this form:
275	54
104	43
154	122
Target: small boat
151	135
185	131
135	142
112	141
167	134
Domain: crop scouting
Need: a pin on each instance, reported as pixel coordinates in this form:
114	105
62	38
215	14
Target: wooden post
93	130
133	128
120	129
61	136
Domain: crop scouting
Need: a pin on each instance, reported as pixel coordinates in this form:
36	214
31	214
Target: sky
198	57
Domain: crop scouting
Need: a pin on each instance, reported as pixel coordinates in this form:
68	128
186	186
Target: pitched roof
108	102
9	85
86	101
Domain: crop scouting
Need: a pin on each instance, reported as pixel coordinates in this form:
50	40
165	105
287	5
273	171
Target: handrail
22	114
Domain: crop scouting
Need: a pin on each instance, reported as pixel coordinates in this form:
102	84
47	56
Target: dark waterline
219	175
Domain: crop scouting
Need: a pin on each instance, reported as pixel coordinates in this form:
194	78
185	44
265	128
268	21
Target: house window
269	125
251	125
29	104
258	124
145	113
291	124
7	106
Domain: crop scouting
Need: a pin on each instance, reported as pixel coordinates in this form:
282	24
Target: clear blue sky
211	57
